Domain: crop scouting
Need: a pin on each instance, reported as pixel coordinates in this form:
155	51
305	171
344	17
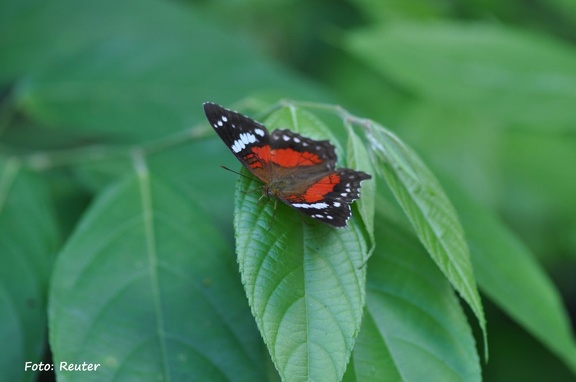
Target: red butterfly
299	171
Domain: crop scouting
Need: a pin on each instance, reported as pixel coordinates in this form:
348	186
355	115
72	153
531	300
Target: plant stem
77	155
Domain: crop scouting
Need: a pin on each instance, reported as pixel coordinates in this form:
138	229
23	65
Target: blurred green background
484	90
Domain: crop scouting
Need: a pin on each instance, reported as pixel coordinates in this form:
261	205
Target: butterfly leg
264	195
273	214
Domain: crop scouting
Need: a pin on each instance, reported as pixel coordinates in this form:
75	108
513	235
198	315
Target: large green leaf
414	328
201	177
128	69
429	210
509	75
304	279
28	242
148	289
508	273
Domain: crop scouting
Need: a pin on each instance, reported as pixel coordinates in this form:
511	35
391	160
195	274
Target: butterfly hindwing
328	199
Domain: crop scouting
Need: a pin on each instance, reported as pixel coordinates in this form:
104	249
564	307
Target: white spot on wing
260	132
318	206
247	138
224	119
242	141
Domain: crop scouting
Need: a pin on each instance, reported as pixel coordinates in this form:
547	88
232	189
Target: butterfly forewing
292	150
248	140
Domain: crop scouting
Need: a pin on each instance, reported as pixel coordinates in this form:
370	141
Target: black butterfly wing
248	140
328	199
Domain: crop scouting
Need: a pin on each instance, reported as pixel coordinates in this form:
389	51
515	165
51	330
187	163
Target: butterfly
299	171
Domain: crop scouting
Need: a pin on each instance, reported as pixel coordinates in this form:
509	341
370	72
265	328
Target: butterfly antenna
242	175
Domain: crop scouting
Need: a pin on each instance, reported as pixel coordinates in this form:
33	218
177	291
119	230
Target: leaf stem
41	161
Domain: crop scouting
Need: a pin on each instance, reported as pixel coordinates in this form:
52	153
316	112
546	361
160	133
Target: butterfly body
299	171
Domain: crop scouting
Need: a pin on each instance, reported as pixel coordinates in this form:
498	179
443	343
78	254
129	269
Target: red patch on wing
322	187
258	155
293	158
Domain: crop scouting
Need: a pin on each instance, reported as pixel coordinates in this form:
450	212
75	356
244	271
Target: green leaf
543	217
144	74
304	279
28	242
358	158
399	9
519	76
508	273
148	289
202	178
430	212
566	8
414	328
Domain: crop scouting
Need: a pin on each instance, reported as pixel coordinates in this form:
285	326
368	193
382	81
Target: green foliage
503	261
123	245
28	243
429	211
170	291
413	324
522	78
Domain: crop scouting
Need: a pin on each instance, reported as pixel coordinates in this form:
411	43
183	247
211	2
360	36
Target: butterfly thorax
282	187
295	187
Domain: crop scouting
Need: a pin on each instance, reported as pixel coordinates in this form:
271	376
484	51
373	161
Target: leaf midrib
151	251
